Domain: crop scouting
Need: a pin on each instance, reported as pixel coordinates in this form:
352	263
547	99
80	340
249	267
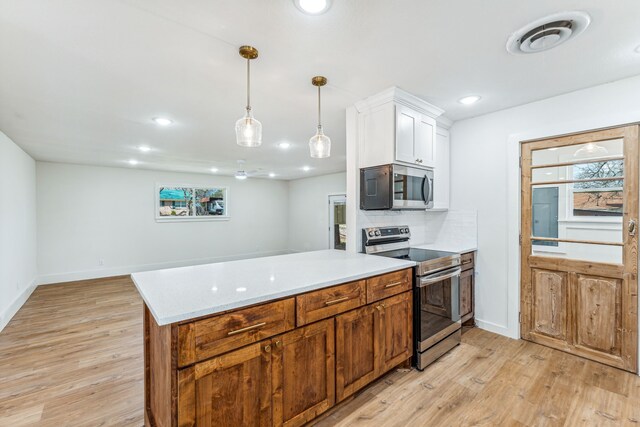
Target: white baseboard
9	312
494	327
49	279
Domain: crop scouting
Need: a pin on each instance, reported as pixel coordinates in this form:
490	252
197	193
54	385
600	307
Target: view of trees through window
187	202
598	198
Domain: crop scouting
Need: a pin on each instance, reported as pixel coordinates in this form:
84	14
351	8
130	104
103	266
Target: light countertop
184	293
448	247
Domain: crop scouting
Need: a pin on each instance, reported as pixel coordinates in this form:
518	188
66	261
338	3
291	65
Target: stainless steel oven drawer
428	357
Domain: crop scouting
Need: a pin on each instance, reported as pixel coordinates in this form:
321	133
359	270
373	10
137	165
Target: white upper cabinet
397	127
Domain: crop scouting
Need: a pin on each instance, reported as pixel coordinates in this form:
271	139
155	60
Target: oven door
412	188
437	307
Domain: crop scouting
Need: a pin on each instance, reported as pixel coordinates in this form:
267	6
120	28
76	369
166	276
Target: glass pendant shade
320	145
248	131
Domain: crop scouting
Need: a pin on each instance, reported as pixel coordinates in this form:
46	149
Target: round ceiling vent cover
548	32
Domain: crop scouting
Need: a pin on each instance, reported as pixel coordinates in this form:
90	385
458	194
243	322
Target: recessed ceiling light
162	121
468	100
214	170
284	145
306	168
313	7
144	148
133	162
241	289
271	174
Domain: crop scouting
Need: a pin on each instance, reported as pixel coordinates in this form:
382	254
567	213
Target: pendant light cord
319	111
248	84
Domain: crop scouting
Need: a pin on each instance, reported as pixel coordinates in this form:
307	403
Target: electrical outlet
100	262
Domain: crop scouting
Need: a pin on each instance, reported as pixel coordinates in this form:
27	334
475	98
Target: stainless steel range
436	307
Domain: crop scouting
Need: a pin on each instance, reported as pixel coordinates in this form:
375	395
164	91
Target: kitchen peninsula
271	341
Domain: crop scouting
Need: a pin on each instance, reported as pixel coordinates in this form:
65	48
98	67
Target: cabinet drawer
216	335
329	302
384	286
467	260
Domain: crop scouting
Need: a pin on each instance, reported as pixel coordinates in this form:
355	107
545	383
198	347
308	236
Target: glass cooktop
417	255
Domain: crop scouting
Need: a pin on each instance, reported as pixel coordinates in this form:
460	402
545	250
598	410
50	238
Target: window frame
193	187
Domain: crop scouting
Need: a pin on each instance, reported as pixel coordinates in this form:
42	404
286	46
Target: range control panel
372	234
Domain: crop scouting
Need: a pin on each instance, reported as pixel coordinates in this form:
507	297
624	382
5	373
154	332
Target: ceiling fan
243	174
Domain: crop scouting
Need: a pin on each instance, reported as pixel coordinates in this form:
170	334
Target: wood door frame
627	272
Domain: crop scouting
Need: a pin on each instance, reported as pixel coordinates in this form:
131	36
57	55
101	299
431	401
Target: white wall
485	177
88	213
309	210
18	270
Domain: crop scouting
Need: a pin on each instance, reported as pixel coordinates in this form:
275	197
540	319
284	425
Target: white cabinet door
415	137
424	145
406	124
441	171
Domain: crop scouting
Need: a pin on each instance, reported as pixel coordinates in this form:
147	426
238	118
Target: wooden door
397	327
466	295
357	349
303	373
579	275
233	389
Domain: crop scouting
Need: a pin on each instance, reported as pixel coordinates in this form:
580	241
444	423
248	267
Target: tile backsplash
446	228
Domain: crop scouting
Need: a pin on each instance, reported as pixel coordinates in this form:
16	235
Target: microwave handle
426	190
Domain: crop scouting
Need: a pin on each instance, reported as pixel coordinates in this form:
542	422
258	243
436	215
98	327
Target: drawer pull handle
467	262
278	344
267	348
335	301
248	328
391	285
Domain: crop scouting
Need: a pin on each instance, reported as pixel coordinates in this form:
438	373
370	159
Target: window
191	202
598	198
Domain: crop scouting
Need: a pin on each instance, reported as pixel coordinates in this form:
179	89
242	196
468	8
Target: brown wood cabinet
397	330
233	389
304	374
253	367
467	288
358	338
372	340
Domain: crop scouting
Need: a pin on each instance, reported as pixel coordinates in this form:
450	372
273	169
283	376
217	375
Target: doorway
338	221
578	244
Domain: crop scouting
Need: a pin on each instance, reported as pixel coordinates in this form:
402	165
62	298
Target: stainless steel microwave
393	186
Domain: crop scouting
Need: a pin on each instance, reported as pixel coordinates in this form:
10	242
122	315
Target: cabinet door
230	390
424	144
397	330
303	373
466	295
406	124
357	349
441	170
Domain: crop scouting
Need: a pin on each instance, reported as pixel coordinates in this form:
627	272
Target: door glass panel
602	169
581	252
406	187
572	153
571	212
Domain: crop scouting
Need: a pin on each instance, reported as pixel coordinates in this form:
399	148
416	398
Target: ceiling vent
548	32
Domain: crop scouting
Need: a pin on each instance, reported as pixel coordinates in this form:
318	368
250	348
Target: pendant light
248	129
319	144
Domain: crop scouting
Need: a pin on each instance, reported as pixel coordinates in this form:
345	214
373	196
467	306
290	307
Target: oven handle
441	276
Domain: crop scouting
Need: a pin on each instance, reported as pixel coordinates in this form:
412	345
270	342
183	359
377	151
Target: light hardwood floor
72	356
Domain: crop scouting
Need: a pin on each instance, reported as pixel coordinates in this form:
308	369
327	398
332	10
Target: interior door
338	222
579	256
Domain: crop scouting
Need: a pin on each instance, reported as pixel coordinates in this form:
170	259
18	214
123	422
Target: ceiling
81	80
